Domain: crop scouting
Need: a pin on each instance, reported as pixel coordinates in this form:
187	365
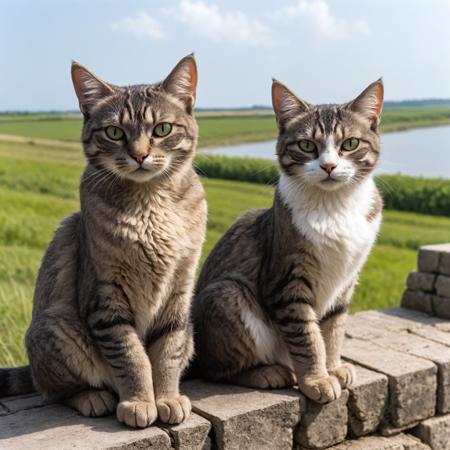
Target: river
419	152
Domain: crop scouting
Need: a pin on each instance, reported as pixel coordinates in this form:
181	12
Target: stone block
247	418
418	300
412	380
367	401
433	334
399	442
435	432
428	259
441	306
444	263
193	434
411	344
22	402
56	427
421	281
323	425
412	319
443	286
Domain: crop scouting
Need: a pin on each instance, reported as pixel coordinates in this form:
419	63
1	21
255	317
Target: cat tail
16	381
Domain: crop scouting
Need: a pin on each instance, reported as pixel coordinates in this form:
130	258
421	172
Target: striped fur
272	298
112	301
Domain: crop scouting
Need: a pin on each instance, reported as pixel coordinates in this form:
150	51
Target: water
420	152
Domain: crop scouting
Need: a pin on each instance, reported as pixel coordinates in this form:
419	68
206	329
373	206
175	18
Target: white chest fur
336	224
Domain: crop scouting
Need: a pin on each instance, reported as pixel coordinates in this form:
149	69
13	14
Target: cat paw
93	403
345	373
273	377
137	414
173	409
321	389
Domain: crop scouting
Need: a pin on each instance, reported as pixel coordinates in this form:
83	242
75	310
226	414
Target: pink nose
328	167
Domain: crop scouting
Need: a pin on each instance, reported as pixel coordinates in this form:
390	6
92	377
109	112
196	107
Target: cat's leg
296	319
333	332
170	354
111	324
65	366
227	349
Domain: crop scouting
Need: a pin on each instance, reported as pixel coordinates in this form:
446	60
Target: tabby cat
272	298
111	308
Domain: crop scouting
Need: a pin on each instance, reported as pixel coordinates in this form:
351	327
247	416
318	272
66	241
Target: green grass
39	186
216	130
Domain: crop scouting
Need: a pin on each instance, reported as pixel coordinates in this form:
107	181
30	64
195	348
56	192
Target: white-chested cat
112	302
272	298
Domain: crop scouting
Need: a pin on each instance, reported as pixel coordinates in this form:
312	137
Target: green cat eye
114	133
307	146
350	144
162	129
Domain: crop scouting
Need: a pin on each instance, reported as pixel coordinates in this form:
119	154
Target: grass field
39	186
217	130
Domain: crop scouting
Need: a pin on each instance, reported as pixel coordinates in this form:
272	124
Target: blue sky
325	50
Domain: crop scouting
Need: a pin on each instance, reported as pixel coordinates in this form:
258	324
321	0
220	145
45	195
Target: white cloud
317	14
213	24
142	25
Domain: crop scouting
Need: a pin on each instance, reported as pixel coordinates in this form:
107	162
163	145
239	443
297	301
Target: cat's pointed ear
182	81
370	102
89	88
286	104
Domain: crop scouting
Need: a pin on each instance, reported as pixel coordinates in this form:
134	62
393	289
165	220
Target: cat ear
182	81
370	102
88	87
286	104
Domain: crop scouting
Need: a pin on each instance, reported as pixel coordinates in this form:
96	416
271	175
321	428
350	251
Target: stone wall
401	399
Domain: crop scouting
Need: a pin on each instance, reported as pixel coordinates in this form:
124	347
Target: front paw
345	373
320	389
137	414
173	409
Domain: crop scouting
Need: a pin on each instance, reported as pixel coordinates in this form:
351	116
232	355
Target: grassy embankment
39	186
216	130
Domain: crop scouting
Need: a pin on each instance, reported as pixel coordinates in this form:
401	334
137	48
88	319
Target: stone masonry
428	290
400	400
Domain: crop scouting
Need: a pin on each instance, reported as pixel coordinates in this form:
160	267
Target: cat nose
329	167
139	157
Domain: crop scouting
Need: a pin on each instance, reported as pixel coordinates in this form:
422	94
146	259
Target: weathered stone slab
412	319
193	434
443	286
441	306
411	344
435	432
323	425
399	442
247	418
418	300
387	430
428	258
22	402
412	380
367	401
433	334
56	427
421	281
444	263
369	322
